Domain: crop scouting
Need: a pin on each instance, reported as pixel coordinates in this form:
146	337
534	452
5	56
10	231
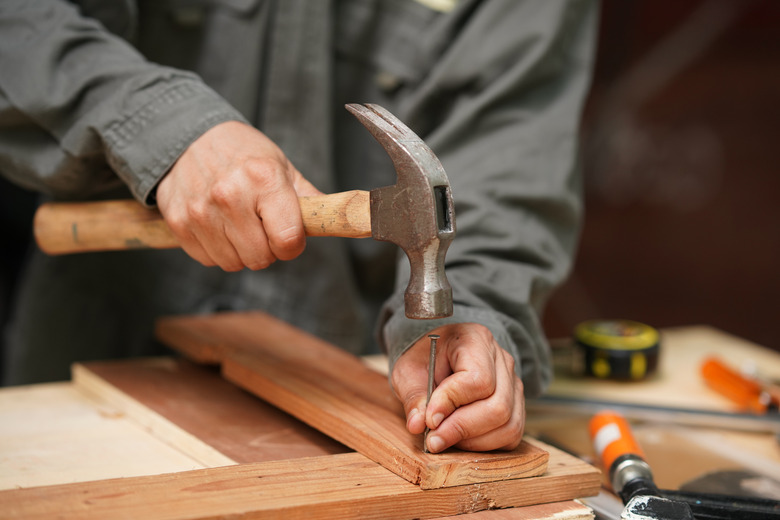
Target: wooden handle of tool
345	214
79	227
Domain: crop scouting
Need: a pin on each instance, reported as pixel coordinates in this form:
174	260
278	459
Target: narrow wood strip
198	402
157	424
336	393
344	486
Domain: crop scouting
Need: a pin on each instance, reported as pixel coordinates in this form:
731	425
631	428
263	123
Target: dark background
680	145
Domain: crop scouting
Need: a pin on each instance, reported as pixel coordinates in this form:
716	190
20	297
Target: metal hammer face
417	214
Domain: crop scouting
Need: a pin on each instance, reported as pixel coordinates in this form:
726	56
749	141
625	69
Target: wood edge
202	493
180	333
397	460
101	391
487	467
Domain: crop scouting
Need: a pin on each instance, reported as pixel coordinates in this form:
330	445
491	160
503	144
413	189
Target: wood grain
344	486
336	393
345	214
78	227
201	404
54	434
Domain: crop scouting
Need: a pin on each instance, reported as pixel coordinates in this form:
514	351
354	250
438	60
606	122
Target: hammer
416	214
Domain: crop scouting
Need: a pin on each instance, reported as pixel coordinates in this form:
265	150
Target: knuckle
510	361
224	193
461	431
499	413
266	173
259	265
483	383
178	224
197	213
232	266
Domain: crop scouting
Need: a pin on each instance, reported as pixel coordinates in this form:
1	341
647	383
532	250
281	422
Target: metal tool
431	376
417	214
632	479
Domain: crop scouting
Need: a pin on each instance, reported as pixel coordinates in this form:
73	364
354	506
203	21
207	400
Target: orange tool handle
745	393
612	438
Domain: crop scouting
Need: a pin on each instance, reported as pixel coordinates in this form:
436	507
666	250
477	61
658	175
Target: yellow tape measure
618	349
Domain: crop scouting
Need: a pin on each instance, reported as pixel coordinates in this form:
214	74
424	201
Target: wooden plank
54	434
569	510
336	393
344	486
202	405
226	417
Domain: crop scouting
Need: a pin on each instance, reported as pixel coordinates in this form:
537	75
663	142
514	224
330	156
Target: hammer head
416	214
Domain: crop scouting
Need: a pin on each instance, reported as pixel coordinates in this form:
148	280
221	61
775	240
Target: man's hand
232	200
478	403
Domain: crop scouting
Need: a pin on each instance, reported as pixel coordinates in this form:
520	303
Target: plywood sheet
54	434
336	393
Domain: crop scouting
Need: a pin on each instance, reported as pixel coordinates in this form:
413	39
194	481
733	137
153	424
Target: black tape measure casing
618	349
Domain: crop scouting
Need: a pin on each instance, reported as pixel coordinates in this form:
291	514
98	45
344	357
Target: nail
437	419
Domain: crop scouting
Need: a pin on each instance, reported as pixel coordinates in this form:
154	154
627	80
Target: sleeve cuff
399	332
144	146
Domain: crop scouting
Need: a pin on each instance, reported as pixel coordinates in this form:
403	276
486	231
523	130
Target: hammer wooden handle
79	227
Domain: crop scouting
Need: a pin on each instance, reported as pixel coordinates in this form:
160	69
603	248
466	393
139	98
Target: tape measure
618	349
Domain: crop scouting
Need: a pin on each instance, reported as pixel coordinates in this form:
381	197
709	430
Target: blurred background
682	183
682	179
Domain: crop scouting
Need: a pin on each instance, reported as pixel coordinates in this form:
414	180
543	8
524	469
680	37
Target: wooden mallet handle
79	227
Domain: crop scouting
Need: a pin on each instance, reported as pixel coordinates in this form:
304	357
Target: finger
175	218
219	249
195	251
461	387
278	208
505	437
410	384
493	420
250	242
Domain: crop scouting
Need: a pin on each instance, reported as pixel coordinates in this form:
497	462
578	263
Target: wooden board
343	486
197	400
54	434
336	393
329	486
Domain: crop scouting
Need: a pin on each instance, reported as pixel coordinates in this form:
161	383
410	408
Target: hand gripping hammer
416	213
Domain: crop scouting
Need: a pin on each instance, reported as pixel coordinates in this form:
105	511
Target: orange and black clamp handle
632	479
629	473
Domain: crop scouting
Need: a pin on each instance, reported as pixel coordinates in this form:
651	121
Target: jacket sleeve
81	109
501	109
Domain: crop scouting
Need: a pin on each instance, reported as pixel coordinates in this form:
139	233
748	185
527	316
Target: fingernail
412	414
435	443
437	419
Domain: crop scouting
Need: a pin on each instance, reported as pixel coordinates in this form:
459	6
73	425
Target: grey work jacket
98	98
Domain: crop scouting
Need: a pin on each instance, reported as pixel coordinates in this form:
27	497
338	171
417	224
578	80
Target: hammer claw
417	213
